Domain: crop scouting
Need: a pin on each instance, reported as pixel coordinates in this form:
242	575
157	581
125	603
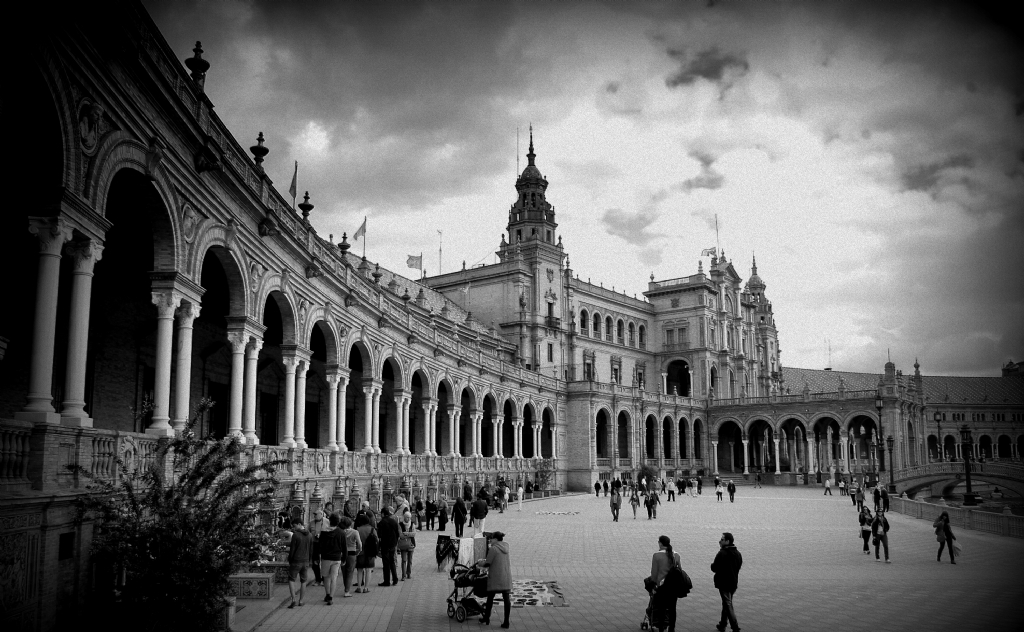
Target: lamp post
874	461
970	498
892	484
880	462
938	424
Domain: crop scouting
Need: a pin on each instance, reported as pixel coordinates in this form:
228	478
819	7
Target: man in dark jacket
387	533
726	568
479	512
731	488
333	553
459	516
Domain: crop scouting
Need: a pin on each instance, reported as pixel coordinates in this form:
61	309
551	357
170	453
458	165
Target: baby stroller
469	581
656	615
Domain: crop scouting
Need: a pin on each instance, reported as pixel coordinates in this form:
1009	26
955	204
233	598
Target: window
549	237
632	335
519	234
643	337
588	371
640	379
620	332
584	323
597	325
670	336
551	352
615	375
608	329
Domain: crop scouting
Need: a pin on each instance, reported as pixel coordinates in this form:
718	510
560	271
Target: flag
361	232
415	261
295	179
465	289
709	251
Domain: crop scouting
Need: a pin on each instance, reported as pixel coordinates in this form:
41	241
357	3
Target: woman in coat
880	533
634	501
406	543
664	600
865	528
499	579
945	536
459	516
442	514
364	561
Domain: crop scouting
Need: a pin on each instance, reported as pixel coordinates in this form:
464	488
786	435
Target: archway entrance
730	448
678	379
863	431
762	457
602	435
793	446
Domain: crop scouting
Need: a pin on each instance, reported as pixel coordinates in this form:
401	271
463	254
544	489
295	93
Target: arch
608	326
584	322
698	443
911	436
713	389
729	434
507	439
862	430
58	87
677	381
620	332
547	433
748	427
761	455
684	438
597	325
1004	449
642	337
330	340
650	436
631	330
667	436
232	268
985	446
287	313
117	152
528	425
933	449
623	427
396	369
603	430
793	444
469	391
949	443
487	423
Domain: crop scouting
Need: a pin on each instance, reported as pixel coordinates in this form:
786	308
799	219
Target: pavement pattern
803	569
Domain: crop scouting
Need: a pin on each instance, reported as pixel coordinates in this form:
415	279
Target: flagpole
718	242
440	241
364	238
421	265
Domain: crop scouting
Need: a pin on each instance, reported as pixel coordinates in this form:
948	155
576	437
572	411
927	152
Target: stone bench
254	585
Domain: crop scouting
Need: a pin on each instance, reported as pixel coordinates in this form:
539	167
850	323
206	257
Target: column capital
427	401
187	313
166	302
333	379
84	254
253	349
290	363
52	233
238	341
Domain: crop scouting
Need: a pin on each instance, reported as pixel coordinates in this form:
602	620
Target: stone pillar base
160	432
76	422
38	417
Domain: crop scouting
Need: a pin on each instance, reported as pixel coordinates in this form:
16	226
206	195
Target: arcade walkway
803	570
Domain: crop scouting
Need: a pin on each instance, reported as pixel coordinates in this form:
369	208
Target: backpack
372	545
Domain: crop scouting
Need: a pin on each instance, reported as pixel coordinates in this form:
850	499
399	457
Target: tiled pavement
803	570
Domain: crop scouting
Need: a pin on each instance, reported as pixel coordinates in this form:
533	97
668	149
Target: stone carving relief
13	570
256	273
92	125
190	221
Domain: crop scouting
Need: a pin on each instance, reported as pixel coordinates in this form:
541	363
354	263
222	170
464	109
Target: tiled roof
937	388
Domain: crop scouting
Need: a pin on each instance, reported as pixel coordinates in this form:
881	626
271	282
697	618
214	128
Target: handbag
957	549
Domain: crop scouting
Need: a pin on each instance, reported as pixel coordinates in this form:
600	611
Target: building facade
156	265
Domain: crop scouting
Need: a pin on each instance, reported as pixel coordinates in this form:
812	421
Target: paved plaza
802	570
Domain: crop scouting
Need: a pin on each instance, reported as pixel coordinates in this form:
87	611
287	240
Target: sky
869	154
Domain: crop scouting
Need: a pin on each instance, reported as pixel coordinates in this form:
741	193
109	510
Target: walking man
700	484
757	481
885	500
299	550
828	486
878	497
606	489
519	495
479	513
616	503
726	568
672	489
732	491
597	488
387	534
333	554
860	498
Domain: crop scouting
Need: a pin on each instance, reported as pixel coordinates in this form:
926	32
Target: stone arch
358	344
215	240
602	427
667	438
985	444
117	152
287	311
1004	449
685	449
631	332
749	424
850	417
396	368
698	438
722	421
729	434
597	322
642	337
330	340
650	436
54	77
547	432
792	443
585	321
624	433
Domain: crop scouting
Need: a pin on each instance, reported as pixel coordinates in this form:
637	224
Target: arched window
632	335
643	337
620	332
584	322
608	328
597	325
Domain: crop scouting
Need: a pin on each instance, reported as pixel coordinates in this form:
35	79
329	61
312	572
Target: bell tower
531	218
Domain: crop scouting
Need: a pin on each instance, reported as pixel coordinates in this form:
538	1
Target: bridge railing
1009	470
974	519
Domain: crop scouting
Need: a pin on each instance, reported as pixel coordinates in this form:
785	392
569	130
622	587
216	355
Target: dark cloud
710	64
925	177
632	227
708	178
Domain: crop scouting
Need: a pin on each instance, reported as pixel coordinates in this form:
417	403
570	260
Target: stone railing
975	519
14	454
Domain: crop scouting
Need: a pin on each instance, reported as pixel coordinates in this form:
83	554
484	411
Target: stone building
160	266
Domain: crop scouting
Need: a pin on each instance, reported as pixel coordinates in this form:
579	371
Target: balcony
676	346
552	322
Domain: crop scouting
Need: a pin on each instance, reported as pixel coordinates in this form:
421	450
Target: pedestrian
885	500
333	555
499	577
664	602
406	544
597	488
353	545
388	532
877	494
502	494
605	489
726	568
431	515
945	536
615	504
757	480
656	502
367	558
880	535
366	511
519	497
299	551
852	491
442	514
617	484
731	488
717	480
691	486
828	486
663	485
860	497
719	491
634	501
842	487
479	512
316	525
467	492
672	490
421	513
459	513
865	528
700	484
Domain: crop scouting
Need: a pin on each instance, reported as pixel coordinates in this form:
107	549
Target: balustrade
14	452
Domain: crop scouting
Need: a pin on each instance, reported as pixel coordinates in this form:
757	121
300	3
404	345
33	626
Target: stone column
400	414
290	364
368	418
342	410
714	456
166	303
300	403
537	438
332	410
377	391
453	420
238	340
777	470
426	404
84	254
252	356
664	383
845	448
187	314
457	446
499	440
746	457
406	406
517	429
810	455
52	233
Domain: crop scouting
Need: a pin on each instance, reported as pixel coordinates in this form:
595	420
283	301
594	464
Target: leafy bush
175	531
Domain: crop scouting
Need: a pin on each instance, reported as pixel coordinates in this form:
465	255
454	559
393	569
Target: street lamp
879	403
970	498
938	424
874	460
892	484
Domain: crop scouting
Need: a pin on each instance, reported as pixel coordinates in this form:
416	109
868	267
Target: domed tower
769	355
531	218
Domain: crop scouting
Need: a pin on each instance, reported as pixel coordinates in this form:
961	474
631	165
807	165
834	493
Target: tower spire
530	156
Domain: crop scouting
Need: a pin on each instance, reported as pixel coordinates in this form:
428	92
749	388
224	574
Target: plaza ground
803	569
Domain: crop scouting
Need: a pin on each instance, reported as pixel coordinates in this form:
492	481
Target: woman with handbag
880	534
406	544
499	576
459	516
865	528
421	513
665	599
945	536
634	501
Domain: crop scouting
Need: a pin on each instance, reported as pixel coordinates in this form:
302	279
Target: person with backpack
368	549
431	514
421	514
664	596
459	516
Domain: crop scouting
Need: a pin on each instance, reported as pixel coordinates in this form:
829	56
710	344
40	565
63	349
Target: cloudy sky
871	155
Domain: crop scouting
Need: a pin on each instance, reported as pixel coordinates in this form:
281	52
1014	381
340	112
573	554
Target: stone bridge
1009	476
